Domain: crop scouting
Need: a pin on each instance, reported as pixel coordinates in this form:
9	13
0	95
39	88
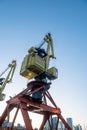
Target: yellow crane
36	65
3	81
36	97
36	62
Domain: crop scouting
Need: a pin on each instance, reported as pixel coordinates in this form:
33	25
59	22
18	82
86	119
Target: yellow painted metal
53	72
32	66
8	78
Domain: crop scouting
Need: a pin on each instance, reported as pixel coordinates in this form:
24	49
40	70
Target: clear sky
24	23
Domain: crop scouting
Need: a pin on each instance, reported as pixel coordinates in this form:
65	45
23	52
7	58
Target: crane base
26	104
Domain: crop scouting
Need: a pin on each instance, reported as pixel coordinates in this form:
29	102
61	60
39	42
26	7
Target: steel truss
24	102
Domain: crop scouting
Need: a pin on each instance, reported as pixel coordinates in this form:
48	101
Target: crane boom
4	81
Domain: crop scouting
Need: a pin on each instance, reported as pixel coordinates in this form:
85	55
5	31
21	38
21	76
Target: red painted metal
26	104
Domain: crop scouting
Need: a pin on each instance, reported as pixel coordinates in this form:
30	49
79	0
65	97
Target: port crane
36	68
3	81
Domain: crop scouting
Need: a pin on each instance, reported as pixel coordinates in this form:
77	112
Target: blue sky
24	23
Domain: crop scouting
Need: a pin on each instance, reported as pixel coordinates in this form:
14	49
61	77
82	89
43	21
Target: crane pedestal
25	103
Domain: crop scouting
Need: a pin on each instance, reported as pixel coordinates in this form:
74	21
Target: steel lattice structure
26	104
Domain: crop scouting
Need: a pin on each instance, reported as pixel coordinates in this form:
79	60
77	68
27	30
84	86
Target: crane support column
26	104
